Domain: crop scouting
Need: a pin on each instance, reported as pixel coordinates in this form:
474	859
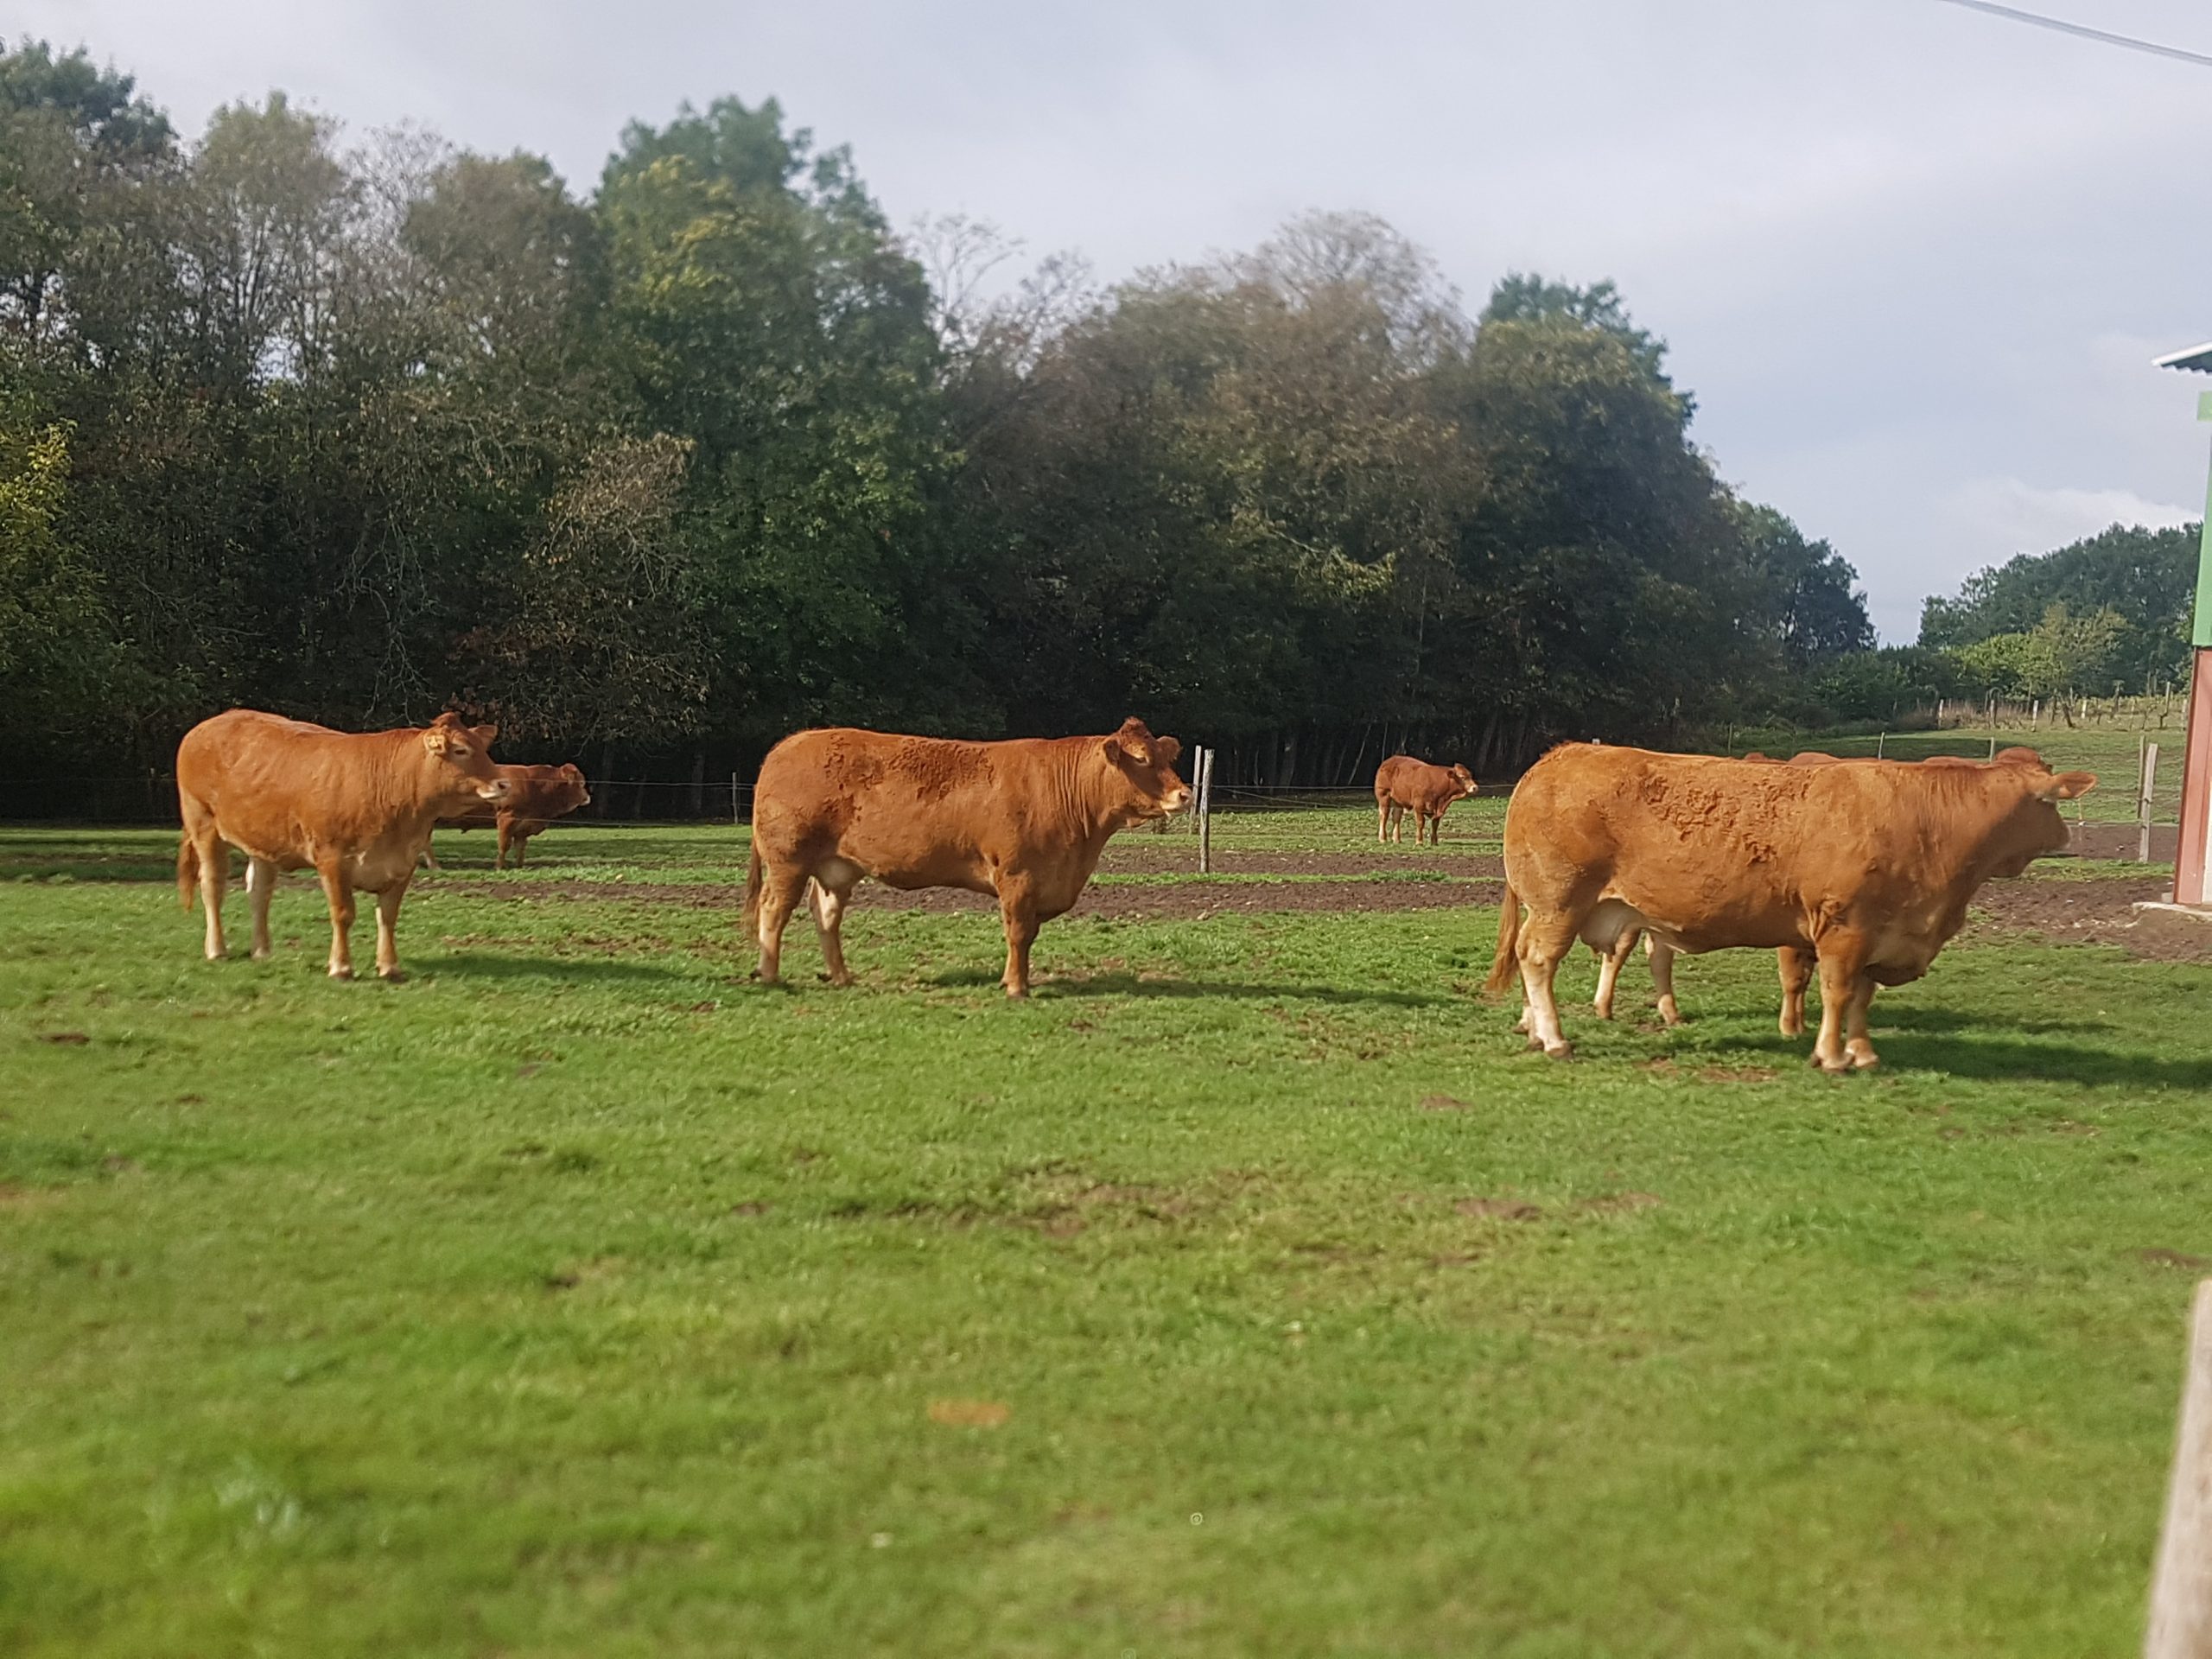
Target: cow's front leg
1018	910
260	884
388	932
1859	1041
1842	966
1794	967
1662	956
339	892
506	839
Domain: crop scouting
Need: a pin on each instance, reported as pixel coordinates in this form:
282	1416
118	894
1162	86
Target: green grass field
1249	1292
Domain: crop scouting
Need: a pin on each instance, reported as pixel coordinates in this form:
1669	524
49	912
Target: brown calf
1403	783
535	795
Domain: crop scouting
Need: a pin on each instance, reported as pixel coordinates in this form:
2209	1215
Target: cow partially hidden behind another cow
357	807
1024	820
1867	865
535	795
1404	784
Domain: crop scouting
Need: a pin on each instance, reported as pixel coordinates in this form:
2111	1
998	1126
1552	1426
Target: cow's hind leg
780	890
214	855
1843	969
1381	820
260	885
339	892
1794	967
506	839
829	903
1545	937
388	932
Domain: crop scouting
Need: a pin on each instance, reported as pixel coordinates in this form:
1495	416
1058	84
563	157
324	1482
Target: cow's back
1704	847
1412	782
281	789
914	811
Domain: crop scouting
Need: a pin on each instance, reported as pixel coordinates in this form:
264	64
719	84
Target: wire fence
1254	815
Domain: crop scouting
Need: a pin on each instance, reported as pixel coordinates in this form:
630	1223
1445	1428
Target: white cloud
1996	518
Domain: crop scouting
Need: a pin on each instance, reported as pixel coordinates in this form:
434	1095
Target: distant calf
358	807
1404	784
1024	820
535	795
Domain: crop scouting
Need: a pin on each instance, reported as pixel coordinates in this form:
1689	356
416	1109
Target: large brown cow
358	807
1868	865
535	795
1403	783
1794	966
1024	820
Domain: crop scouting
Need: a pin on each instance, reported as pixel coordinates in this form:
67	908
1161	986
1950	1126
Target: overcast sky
1913	260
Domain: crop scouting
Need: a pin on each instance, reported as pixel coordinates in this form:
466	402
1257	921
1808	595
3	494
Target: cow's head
2034	826
1143	771
573	794
1466	780
461	757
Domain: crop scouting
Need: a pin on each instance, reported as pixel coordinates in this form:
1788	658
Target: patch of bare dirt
1168	902
2097	910
2125	841
1498	1210
2173	1258
1125	857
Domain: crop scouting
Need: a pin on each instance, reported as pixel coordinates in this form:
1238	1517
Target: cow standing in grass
355	807
1793	965
1404	784
1868	865
535	795
1025	821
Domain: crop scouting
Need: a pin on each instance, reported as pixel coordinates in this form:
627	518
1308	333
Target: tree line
654	475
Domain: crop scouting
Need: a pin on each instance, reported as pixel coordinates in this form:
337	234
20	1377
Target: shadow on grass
1991	1057
1125	984
578	969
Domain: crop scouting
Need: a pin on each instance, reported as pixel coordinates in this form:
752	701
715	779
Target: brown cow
1869	864
1794	967
535	795
1403	783
1025	820
356	806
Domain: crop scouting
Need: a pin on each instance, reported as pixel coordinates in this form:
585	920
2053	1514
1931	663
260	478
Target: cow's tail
752	890
187	871
1507	963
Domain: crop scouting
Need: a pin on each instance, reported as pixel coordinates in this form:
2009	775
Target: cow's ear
437	740
485	734
1134	739
2068	785
1166	750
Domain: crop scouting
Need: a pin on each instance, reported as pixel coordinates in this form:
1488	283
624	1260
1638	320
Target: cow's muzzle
1176	802
496	790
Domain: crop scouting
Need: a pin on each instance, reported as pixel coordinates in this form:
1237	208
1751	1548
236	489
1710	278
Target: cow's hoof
341	973
1561	1050
393	977
837	981
1864	1060
1834	1068
1017	993
262	953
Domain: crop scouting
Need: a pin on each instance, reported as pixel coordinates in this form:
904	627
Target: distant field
1249	1292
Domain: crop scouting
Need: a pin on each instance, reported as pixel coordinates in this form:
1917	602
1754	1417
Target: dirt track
2090	910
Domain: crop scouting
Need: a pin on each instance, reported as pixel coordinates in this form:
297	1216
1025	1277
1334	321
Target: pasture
1249	1291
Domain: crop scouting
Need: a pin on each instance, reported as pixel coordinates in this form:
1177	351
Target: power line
2084	31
